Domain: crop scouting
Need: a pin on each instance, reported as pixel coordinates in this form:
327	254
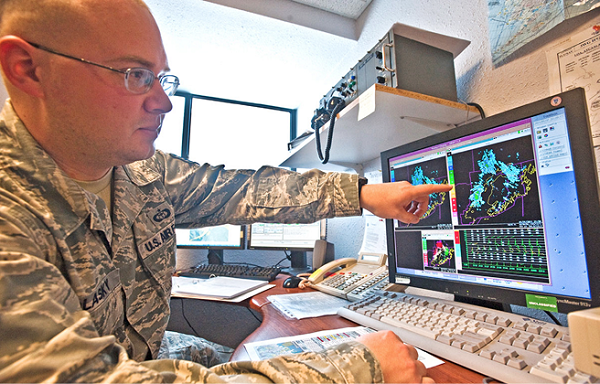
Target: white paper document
310	304
311	342
318	341
374	239
575	62
218	287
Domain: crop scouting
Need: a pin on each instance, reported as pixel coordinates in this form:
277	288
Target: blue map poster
514	23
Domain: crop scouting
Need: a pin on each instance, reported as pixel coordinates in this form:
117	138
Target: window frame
187	116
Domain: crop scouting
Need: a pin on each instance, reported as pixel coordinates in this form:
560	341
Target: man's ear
19	64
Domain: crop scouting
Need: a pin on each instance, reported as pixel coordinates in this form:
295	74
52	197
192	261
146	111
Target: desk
275	324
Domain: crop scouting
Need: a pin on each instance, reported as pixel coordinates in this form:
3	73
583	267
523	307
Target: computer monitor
521	224
295	238
215	239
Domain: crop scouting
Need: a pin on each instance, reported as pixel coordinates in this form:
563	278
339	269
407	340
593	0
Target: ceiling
337	17
351	9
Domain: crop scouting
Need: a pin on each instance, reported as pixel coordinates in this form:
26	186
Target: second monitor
294	238
215	239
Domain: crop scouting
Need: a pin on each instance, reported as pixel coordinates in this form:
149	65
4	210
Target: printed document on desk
311	342
220	287
316	342
309	304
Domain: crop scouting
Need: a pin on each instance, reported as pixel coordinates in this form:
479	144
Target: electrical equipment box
406	58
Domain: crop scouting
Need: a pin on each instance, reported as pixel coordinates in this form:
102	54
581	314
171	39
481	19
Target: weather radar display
496	185
429	172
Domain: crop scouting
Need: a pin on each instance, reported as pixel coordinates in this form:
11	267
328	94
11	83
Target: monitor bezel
322	236
241	246
586	179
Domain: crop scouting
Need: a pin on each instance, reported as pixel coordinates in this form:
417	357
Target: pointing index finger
427	189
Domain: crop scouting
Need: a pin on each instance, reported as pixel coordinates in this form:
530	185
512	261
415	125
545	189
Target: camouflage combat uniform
84	296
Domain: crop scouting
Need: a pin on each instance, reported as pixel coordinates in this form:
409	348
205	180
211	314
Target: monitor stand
483	303
215	256
298	264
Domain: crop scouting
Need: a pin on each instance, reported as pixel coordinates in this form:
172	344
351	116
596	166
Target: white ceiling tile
347	8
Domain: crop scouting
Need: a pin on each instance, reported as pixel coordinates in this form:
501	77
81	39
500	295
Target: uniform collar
36	179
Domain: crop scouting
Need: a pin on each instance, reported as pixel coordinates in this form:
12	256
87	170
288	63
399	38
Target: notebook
220	287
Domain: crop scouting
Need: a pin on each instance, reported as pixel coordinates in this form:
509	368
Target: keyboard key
547	374
534	328
458	344
501	358
549	331
581	377
507	339
536	347
566	370
520	325
444	339
471	347
420	331
521	343
517	363
564	345
503	322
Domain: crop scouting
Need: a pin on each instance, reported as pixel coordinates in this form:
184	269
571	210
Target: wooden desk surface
275	324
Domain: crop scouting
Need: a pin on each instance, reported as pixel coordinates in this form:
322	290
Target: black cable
196	332
281	261
479	108
489	380
253	314
242	264
186	319
338	107
550	315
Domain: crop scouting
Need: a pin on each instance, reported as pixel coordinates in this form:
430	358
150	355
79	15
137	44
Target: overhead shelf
381	118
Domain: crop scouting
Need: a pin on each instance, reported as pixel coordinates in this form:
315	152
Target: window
233	133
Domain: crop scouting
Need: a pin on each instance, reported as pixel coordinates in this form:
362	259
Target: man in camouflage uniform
88	209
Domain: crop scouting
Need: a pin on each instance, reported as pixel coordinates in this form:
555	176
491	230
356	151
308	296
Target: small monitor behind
215	239
294	238
521	224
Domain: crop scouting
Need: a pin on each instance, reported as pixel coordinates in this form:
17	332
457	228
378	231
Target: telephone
351	278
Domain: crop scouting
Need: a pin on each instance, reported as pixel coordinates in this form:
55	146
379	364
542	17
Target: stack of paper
219	287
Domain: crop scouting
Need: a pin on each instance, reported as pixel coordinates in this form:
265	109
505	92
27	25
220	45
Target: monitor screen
218	237
292	237
520	225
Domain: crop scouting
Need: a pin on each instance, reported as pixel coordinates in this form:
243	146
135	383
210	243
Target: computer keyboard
504	346
205	271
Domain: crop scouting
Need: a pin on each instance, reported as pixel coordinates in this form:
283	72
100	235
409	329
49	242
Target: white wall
225	52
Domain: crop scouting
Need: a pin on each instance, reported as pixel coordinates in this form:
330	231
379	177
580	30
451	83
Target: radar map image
429	172
440	254
500	188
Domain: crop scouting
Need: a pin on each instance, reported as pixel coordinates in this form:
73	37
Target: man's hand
400	200
398	361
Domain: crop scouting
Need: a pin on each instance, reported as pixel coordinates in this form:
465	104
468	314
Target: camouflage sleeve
47	337
207	195
346	363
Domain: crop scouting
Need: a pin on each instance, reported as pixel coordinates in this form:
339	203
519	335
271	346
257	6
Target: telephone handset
343	276
322	272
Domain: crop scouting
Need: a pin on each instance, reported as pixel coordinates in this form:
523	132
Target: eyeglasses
137	80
